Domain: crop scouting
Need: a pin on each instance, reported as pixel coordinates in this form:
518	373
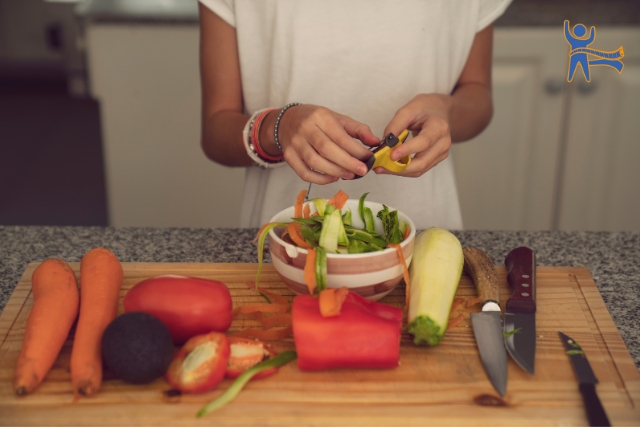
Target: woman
360	69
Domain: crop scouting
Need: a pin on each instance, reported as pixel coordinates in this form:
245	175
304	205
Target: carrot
310	271
456	303
407	231
405	271
100	281
453	323
277	320
295	233
338	200
270	335
55	308
472	301
259	308
331	300
297	209
278	299
306	211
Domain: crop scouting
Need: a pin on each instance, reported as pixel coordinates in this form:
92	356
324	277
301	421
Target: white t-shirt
361	58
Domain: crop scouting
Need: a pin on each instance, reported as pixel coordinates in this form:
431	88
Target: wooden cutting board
443	385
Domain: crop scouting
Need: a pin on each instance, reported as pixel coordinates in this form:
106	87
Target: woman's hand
427	116
318	143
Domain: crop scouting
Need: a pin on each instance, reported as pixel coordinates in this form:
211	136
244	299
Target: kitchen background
100	121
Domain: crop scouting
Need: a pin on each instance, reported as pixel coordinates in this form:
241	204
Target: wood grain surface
443	385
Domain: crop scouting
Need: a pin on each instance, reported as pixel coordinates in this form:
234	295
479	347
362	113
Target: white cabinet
147	81
556	155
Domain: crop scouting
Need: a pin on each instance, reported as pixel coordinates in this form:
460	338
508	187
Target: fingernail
362	170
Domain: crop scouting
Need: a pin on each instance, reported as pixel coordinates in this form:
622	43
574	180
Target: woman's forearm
222	138
470	112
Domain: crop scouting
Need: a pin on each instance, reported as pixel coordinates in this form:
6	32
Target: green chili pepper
235	388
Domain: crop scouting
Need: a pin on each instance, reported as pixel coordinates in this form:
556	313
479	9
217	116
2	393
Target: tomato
200	364
188	306
245	354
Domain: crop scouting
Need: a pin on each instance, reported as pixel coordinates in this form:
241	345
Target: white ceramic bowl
372	275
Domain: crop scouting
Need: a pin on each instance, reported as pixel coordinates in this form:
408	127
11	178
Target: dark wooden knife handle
521	275
595	412
479	266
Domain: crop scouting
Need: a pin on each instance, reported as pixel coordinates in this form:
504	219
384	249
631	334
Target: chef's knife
587	380
487	325
520	311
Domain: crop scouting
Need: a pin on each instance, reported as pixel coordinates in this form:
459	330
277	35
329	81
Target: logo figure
579	42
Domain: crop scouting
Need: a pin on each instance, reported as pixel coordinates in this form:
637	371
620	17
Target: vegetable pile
330	231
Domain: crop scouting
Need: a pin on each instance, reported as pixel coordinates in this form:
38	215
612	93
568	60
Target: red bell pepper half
366	334
200	364
245	354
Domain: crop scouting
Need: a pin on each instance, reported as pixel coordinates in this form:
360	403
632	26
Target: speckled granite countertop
612	258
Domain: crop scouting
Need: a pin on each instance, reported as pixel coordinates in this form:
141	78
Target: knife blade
587	380
520	310
487	325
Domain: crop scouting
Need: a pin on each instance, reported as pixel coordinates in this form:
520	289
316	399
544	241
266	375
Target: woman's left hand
427	116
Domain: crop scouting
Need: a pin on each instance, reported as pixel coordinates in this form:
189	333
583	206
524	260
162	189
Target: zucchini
435	274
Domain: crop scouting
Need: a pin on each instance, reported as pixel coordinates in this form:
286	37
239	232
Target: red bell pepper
245	354
200	364
366	334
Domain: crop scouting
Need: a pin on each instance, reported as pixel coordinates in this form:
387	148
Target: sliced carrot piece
295	233
278	299
456	303
297	209
453	323
472	301
331	300
310	271
338	200
259	308
405	270
306	211
270	335
407	231
277	320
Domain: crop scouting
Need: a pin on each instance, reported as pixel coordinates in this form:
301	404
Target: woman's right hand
318	143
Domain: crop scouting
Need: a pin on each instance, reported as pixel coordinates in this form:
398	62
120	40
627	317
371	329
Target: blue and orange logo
580	51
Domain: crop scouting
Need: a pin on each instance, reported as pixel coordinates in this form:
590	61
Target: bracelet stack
252	145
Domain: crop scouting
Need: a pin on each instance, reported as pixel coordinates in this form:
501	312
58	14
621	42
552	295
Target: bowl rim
403	244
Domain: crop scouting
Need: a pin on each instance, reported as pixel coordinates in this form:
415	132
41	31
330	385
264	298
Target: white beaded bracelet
248	145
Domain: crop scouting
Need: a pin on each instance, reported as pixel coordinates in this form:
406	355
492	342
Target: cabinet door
600	184
146	78
507	175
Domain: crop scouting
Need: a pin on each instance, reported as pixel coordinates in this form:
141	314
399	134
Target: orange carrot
456	303
330	301
276	321
55	308
405	271
100	281
453	323
259	308
297	209
310	271
473	301
306	211
295	233
278	299
338	200
407	231
270	335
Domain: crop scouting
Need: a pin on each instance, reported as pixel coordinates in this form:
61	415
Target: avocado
137	347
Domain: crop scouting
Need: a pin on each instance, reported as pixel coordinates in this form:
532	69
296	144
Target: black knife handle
595	412
521	275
